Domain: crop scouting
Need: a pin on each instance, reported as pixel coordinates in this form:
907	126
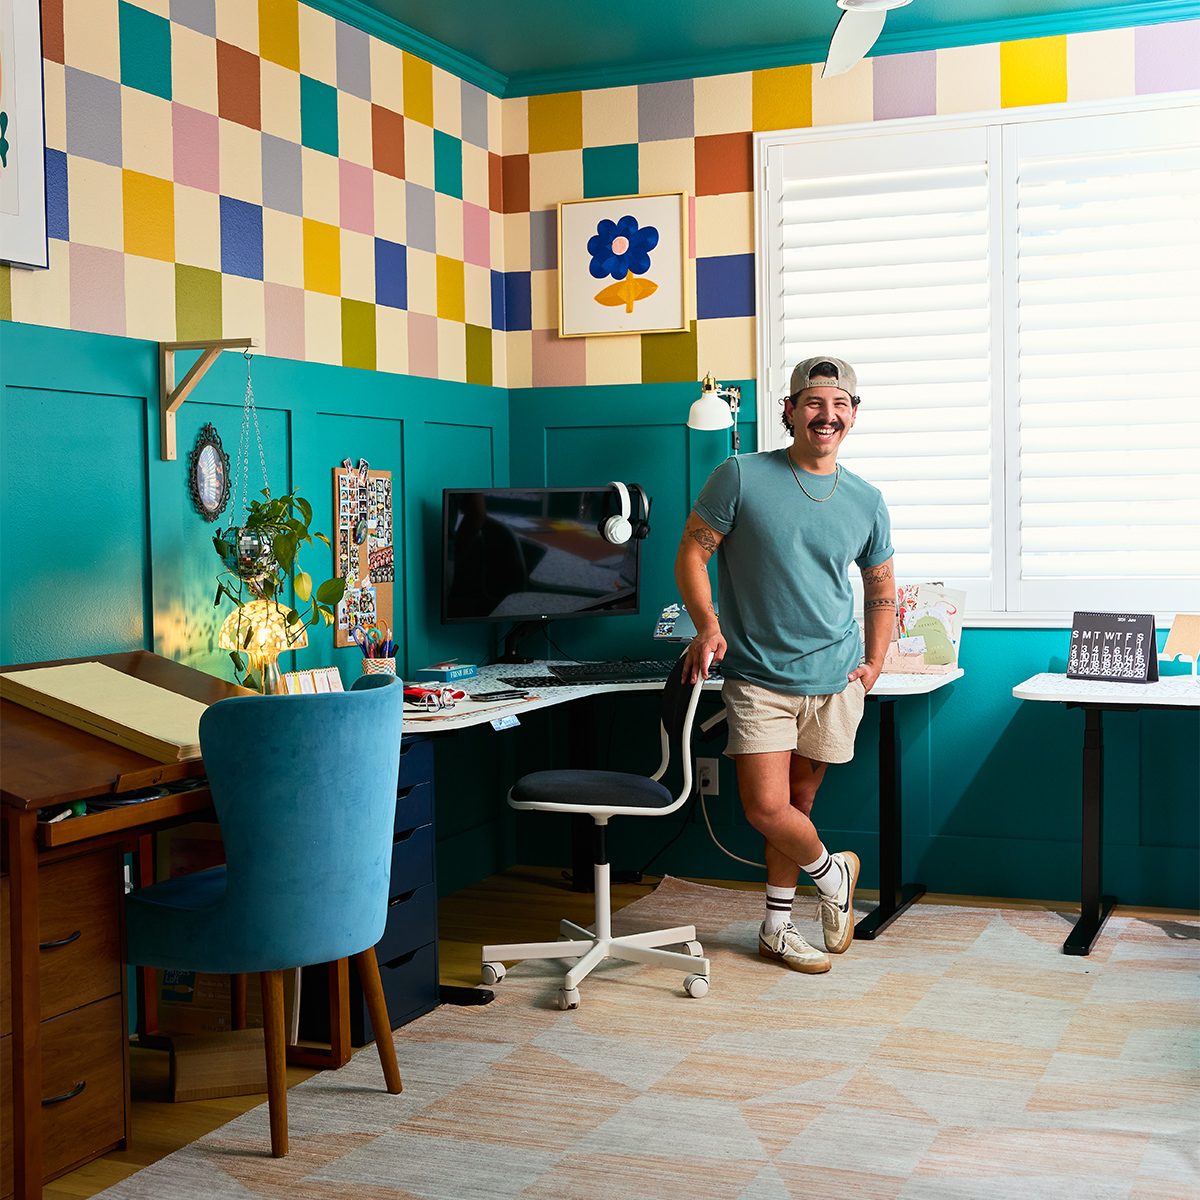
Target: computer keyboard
614	670
645	670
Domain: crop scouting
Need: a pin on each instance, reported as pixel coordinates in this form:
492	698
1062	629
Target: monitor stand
514	637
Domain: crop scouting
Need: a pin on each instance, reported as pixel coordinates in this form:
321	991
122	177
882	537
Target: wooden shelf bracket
172	397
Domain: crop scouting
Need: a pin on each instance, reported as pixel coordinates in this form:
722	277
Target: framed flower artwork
621	265
22	136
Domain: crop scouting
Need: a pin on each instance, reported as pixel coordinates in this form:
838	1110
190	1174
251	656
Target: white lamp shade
709	412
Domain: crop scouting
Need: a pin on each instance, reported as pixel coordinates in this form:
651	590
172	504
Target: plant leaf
321	538
293	617
331	591
303	583
305	508
239	663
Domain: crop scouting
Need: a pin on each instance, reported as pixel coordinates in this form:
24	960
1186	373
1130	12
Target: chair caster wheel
491	972
568	998
696	986
694	949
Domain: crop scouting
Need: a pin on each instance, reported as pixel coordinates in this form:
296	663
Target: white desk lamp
717	408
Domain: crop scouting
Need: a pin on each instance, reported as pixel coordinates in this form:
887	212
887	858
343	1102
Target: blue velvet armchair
305	793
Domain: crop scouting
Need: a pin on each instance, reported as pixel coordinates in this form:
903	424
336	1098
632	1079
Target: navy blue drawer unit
407	952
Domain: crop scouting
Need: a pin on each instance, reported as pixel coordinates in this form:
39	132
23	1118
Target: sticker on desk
511	721
1120	647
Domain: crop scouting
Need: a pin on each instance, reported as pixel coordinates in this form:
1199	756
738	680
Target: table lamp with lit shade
717	408
259	630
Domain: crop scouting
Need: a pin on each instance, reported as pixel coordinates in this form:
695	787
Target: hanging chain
250	413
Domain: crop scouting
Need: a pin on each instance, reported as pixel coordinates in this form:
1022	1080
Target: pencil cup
379	666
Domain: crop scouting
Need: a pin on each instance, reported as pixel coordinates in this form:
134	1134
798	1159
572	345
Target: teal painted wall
101	550
991	784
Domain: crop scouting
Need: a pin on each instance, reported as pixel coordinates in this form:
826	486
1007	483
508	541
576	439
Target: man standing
788	524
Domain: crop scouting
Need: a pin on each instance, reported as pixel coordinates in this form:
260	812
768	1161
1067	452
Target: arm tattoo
883	603
880	574
703	537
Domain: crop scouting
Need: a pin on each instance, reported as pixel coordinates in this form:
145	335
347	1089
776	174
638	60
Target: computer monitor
534	554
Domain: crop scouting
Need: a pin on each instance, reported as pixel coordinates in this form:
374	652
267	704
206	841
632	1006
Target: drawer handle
403	837
404	958
403	898
403	793
55	945
65	1095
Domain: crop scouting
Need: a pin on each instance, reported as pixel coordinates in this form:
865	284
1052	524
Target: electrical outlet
709	775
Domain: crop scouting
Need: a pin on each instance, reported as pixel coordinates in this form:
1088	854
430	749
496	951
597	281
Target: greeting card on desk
1113	646
929	620
109	704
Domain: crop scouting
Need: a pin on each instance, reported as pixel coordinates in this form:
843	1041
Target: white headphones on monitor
620	528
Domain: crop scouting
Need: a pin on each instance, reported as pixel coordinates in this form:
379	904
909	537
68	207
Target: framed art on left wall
22	136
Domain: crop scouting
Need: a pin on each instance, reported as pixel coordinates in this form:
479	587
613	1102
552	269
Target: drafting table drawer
86	1046
79	927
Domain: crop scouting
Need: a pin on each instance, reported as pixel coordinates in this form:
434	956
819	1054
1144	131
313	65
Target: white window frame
1005	349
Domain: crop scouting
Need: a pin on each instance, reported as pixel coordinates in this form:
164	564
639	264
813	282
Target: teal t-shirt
783	570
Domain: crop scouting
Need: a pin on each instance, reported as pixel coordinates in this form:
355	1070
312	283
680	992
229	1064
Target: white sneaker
837	912
786	945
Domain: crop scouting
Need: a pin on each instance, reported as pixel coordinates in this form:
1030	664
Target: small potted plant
260	558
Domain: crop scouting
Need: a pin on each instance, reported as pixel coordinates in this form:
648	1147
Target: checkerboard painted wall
225	167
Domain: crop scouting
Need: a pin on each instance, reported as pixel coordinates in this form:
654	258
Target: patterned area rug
959	1056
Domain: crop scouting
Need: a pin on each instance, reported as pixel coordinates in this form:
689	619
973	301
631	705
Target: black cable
569	657
683	824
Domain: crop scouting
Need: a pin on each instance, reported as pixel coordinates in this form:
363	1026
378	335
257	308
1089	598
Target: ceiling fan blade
854	36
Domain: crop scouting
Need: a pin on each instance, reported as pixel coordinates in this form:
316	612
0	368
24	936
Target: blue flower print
619	247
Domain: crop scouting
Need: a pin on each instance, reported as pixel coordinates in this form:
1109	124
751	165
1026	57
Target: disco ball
249	554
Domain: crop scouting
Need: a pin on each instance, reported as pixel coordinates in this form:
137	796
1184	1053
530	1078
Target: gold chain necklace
837	475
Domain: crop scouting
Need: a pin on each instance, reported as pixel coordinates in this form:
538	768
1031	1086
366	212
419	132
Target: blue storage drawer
414	806
416	760
412	860
410	986
411	922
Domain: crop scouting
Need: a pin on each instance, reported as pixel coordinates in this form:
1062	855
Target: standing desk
894	896
1096	697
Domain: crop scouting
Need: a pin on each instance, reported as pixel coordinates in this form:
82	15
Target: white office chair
605	794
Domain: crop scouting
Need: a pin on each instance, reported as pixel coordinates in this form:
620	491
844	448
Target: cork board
363	550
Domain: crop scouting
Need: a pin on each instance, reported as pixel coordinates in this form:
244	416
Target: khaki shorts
821	728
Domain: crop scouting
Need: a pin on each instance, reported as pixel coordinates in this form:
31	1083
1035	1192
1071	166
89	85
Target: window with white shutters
1021	299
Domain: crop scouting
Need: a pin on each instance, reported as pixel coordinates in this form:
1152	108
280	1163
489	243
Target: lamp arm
733	397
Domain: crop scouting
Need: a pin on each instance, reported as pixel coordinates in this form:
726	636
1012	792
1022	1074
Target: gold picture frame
623	265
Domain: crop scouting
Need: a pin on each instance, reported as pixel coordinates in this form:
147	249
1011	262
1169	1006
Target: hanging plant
260	553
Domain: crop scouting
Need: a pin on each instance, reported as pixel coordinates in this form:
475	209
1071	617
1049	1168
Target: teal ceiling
530	47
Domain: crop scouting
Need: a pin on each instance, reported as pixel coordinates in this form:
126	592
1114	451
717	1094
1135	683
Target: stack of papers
109	704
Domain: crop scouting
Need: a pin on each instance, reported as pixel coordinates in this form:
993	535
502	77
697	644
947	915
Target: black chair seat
591	789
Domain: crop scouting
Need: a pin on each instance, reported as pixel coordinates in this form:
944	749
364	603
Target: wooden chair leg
276	1045
237	1001
372	986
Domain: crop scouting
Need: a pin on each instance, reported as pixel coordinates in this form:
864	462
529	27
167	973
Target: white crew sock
825	873
779	908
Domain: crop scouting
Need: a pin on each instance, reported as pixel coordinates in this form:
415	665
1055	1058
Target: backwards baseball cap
805	375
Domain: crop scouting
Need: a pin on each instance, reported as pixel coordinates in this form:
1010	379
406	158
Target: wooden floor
521	904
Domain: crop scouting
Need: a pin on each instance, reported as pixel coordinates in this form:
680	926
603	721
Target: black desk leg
894	897
1094	908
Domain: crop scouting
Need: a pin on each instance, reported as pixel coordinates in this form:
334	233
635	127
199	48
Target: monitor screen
522	554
